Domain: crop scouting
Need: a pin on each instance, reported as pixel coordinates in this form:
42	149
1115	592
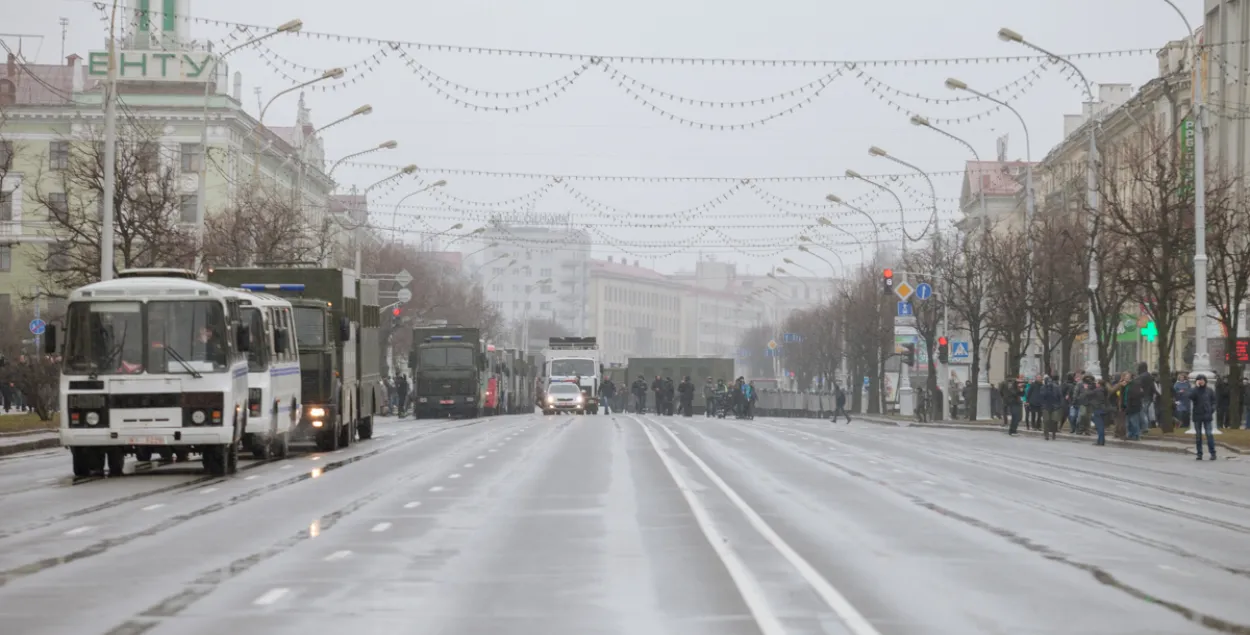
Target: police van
273	378
153	361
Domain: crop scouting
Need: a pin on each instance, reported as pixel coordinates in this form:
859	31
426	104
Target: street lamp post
201	198
876	232
333	73
406	170
395	212
385	145
1091	195
906	396
955	84
525	315
983	376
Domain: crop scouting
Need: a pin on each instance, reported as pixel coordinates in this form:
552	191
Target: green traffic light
1150	332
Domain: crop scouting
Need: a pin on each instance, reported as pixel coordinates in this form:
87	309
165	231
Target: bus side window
290	333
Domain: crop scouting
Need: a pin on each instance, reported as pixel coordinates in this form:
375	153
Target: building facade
561	254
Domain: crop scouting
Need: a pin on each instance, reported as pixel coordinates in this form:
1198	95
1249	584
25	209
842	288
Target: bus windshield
174	336
572	367
445	357
310	327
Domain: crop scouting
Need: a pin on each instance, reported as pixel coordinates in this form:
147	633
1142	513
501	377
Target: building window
8	93
148	156
58	155
186	210
191	157
545	306
545	272
496	288
58	257
58	204
6	206
497	270
6	260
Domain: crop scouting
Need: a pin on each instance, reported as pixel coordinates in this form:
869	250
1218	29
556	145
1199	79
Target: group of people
397	390
739	399
1131	402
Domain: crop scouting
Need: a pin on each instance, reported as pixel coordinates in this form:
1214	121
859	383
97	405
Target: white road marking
454	476
287	466
1175	570
928	482
47	480
850	616
898	471
749	587
493	450
153	506
248	478
412	505
79	530
873	462
965	495
208	490
270	596
314	458
468	465
481	456
338	555
436	488
380	527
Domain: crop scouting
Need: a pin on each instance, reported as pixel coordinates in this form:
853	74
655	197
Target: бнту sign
152	66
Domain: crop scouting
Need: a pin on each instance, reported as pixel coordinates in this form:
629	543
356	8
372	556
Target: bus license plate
146	440
447	402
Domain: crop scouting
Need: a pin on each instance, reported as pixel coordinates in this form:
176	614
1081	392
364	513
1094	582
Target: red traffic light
889	273
395	312
942	341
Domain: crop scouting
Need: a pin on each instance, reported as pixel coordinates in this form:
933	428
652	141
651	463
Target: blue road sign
924	291
961	351
38	326
904	308
791	338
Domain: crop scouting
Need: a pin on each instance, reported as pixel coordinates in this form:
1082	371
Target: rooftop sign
151	66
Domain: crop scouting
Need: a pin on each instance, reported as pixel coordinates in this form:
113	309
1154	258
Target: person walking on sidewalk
1099	402
1180	397
1013	396
1141	393
840	404
1081	400
1051	401
1203	401
1033	404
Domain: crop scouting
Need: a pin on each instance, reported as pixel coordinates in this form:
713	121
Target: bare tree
1007	263
754	342
820	351
929	265
261	225
1228	247
869	336
1144	194
1111	293
1059	286
149	209
27	370
967	294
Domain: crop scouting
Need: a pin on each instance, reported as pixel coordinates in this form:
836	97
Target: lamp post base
906	401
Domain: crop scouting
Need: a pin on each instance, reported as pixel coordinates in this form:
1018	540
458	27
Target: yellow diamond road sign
772	345
904	290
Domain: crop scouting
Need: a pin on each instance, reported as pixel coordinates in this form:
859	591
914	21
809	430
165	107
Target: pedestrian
1098	401
970	392
670	395
685	391
1081	401
1051	400
607	390
639	389
1223	397
922	405
1141	392
1033	403
1013	399
753	397
1069	401
1203	401
401	392
709	398
839	400
1180	398
1120	392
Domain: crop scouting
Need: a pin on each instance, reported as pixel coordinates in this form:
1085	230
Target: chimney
12	69
76	76
237	91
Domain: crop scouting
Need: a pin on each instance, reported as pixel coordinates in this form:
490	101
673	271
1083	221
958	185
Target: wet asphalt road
636	525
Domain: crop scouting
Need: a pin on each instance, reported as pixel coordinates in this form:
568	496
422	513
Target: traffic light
395	317
887	278
395	311
944	349
909	354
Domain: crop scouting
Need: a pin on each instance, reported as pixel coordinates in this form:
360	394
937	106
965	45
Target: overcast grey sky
594	128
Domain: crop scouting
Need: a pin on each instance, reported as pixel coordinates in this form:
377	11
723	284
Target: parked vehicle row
158	363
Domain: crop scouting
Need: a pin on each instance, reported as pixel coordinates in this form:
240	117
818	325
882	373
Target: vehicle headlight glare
316	412
93	418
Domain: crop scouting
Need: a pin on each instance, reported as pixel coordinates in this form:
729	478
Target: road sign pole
39	335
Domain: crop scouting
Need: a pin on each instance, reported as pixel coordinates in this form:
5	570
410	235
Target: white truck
570	358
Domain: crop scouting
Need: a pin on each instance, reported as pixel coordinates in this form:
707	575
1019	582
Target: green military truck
449	371
336	317
697	368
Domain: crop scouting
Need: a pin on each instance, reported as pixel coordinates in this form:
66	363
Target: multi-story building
52	112
636	311
540	252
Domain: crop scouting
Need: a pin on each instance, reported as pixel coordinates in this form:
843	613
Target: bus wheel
346	433
143	454
232	458
281	445
165	454
116	460
260	449
365	429
82	461
181	456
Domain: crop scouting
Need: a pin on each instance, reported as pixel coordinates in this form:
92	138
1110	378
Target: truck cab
449	369
575	359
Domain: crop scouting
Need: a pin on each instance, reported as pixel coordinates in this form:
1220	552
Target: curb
27	446
26	433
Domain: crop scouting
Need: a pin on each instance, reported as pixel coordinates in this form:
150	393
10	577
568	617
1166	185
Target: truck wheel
181	456
232	458
213	458
346	433
281	445
82	461
166	455
365	429
143	454
260	450
116	460
327	439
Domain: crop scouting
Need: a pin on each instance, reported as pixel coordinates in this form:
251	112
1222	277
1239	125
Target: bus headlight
198	417
93	418
316	412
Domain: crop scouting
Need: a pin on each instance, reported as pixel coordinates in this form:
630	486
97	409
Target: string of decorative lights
641	86
1020	91
322	86
898	92
658	60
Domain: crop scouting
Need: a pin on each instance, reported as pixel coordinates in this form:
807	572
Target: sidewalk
14	443
1172	445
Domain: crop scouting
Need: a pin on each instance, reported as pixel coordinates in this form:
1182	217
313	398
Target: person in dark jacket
709	397
607	392
1050	399
1180	399
1141	393
639	389
1098	400
1033	404
670	395
1013	396
839	399
1203	402
685	392
1223	397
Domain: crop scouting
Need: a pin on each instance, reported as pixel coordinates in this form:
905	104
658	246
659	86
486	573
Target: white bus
153	360
273	379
